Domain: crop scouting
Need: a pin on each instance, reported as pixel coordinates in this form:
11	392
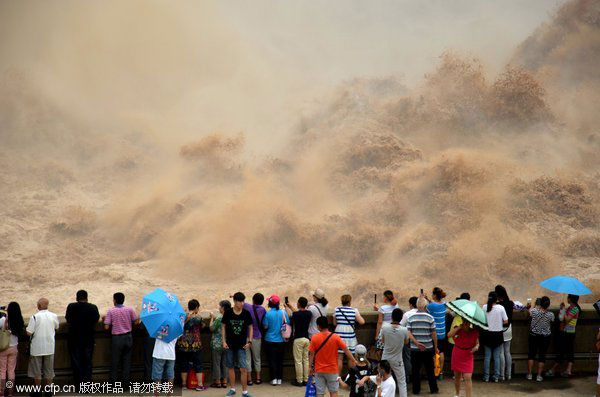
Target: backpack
5	335
286	329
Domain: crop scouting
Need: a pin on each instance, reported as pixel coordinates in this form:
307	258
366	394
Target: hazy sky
192	67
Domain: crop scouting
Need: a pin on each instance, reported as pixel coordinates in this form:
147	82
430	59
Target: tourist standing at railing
412	308
219	373
437	308
539	336
257	312
236	331
422	325
14	323
189	345
120	320
274	342
385	315
466	343
82	318
568	317
320	308
506	357
345	319
493	338
42	329
598	350
300	322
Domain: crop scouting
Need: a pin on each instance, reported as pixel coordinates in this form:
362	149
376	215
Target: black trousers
121	358
148	350
275	357
418	359
81	353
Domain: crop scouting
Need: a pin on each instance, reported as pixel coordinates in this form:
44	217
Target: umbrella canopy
566	285
470	311
162	315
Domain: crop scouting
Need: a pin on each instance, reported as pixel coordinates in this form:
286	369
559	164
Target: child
216	344
466	342
163	362
358	372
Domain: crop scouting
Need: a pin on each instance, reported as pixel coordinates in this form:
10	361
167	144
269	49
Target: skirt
462	360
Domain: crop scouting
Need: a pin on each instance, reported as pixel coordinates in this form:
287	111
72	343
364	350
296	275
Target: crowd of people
405	342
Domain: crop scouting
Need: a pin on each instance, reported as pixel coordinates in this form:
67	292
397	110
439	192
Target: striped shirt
345	315
121	319
421	325
387	310
438	311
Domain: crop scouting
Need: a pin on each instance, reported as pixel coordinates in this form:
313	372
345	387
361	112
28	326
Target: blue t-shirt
438	311
273	321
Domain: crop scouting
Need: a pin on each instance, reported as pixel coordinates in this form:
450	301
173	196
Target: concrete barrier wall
586	358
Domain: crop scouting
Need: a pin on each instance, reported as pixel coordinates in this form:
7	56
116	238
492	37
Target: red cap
274	299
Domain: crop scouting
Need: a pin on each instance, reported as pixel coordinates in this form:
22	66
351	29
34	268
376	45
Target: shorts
162	369
236	358
39	364
442	345
538	345
326	382
189	360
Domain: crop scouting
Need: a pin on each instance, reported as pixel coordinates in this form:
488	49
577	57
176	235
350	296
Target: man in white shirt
386	387
42	328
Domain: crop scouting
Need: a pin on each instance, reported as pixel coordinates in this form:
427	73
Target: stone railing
586	358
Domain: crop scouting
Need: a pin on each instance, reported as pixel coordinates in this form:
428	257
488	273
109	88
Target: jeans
163	369
407	362
301	359
495	352
121	357
253	356
81	361
506	361
400	375
219	367
424	358
275	355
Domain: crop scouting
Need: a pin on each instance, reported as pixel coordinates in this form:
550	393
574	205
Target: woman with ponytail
493	339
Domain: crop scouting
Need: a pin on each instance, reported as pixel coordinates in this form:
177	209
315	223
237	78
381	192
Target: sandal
258	381
215	385
249	383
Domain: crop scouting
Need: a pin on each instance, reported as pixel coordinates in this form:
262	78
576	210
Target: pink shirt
121	319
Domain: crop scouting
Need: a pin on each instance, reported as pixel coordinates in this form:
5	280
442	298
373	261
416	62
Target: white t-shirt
14	339
164	350
388	386
43	326
387	310
317	311
406	316
495	317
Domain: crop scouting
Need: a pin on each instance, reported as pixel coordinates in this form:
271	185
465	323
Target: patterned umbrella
162	315
470	311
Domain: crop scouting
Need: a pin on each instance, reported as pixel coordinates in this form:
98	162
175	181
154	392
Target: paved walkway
580	386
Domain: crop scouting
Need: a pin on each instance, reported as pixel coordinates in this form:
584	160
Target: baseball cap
319	294
360	351
274	299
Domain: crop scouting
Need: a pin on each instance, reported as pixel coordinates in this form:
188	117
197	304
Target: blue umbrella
162	315
566	285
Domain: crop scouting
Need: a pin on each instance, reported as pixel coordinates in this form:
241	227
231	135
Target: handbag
286	330
311	389
5	335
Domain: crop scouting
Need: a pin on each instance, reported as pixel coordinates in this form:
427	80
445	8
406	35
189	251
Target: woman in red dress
466	342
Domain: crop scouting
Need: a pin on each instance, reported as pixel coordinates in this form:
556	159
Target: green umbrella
470	311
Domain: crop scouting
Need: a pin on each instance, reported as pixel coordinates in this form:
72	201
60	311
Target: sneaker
201	388
495	380
246	394
486	379
539	378
231	392
508	378
296	383
278	381
549	374
565	374
529	377
274	382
